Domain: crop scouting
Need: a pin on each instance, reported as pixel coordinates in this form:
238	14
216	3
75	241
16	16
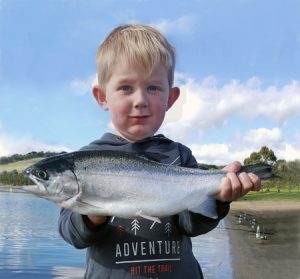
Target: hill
12	167
19	165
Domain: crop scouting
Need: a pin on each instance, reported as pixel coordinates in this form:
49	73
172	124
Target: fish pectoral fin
151	218
206	208
71	202
77	205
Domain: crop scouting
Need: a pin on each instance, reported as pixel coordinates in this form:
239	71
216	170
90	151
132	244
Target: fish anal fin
207	208
151	218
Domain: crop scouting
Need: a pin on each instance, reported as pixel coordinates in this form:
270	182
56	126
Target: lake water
30	246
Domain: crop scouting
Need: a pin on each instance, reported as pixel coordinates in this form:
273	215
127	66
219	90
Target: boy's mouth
139	118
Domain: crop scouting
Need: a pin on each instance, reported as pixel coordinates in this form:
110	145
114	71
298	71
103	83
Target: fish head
54	178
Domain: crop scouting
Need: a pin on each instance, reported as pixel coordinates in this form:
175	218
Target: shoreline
12	189
277	255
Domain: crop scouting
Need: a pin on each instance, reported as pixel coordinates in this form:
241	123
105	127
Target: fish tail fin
263	171
207	208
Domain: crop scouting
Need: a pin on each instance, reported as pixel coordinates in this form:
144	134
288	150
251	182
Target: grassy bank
19	166
273	194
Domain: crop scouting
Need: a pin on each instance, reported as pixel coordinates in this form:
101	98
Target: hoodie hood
115	140
149	147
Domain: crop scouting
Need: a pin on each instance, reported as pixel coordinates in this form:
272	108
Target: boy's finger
246	183
256	182
233	167
235	185
226	192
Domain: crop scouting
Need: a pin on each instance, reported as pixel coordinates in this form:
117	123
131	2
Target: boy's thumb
232	167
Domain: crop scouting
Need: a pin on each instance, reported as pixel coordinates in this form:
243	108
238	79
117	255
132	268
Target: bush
14	178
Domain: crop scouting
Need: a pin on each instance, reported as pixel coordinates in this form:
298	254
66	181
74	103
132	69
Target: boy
135	72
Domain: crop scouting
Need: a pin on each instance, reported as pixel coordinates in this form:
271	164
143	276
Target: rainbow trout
112	183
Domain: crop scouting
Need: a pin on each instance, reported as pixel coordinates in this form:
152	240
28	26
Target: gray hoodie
140	248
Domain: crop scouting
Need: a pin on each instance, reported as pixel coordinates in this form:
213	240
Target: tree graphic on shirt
135	226
168	228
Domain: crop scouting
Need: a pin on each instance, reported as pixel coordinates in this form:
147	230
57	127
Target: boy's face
137	101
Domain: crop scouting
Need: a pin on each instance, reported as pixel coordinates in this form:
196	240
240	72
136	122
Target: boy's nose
140	100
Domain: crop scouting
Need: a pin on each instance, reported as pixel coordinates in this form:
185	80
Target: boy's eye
125	88
152	88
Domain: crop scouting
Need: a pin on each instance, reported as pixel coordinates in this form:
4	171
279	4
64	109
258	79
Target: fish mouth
38	188
34	189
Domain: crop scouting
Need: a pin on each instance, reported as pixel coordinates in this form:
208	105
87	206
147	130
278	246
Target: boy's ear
173	96
100	96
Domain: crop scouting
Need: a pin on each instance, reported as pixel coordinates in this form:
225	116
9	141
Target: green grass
273	195
19	166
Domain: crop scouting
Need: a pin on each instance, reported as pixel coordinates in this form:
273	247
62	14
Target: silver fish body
112	183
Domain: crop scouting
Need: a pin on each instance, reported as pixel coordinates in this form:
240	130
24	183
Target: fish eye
42	174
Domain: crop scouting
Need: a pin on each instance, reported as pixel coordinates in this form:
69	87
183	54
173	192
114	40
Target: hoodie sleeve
73	229
190	223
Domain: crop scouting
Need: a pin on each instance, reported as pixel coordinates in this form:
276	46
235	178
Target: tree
14	178
280	168
265	155
293	174
255	158
268	155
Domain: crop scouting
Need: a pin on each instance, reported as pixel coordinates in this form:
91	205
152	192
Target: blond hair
140	45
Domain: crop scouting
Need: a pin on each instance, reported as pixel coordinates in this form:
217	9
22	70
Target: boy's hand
234	186
93	222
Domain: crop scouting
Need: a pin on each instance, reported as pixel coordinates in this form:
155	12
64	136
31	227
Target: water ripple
30	246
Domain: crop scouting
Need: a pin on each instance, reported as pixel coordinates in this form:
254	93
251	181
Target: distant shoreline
12	189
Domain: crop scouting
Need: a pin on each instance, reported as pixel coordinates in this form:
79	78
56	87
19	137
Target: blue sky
237	67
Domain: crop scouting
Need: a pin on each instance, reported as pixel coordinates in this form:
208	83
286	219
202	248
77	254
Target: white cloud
289	153
224	153
82	87
211	153
244	145
261	136
204	105
10	145
280	104
183	24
